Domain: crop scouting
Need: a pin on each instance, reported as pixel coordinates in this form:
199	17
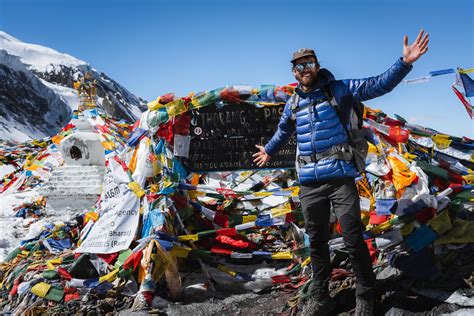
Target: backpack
357	139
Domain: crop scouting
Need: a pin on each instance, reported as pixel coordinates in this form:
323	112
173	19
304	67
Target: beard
307	79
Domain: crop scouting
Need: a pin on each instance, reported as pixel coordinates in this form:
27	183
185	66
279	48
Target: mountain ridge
37	98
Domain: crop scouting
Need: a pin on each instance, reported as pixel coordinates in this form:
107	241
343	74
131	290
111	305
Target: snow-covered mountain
36	94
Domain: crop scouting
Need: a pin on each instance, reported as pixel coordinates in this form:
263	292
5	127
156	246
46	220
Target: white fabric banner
145	162
114	186
115	229
181	145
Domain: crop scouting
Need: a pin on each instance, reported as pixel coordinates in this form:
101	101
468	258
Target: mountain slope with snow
28	108
36	95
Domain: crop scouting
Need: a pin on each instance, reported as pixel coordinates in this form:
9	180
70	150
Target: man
325	164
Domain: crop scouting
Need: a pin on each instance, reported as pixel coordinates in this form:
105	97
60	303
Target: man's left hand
412	52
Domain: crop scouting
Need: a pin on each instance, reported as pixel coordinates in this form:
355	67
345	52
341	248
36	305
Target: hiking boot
318	306
364	307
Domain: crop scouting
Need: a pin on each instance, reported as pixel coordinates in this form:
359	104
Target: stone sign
224	139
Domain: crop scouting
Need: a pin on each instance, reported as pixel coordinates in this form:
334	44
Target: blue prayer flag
468	85
441	72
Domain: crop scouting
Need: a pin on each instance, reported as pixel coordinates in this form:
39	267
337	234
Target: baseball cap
303	52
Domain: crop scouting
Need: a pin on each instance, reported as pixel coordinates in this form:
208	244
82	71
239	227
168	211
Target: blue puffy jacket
317	125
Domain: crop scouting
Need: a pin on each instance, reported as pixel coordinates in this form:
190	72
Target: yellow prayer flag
167	183
93	216
249	218
469	178
195	103
263	193
108	145
50	263
176	107
409	156
381	228
40	289
193	194
56	139
306	262
32	167
161	260
284	255
109	277
34	265
281	210
402	175
365	217
226	270
372	149
155	187
155	105
133	161
180	252
135	187
442	141
194	179
441	223
294	191
466	71
193	237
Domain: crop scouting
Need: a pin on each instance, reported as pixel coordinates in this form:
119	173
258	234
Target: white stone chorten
78	182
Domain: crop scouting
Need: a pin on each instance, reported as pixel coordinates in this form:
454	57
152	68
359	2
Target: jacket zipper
311	109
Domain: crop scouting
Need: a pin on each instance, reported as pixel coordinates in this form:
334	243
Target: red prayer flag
222	251
378	219
398	134
230	96
227	193
392	122
109	257
72	297
229	241
283	278
133	260
182	124
372	250
464	101
63	272
221	220
227	231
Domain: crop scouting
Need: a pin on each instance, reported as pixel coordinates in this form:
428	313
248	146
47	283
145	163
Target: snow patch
67	95
36	56
17	132
12	227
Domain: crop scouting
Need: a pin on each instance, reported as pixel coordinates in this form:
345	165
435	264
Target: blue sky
156	47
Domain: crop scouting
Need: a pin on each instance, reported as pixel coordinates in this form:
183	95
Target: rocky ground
395	302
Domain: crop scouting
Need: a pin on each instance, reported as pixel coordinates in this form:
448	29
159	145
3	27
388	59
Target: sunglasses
309	65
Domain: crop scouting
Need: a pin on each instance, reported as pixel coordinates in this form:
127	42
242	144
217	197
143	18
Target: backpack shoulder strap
359	109
356	106
327	91
294	104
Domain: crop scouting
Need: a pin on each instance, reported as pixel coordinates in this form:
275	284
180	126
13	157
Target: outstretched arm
369	88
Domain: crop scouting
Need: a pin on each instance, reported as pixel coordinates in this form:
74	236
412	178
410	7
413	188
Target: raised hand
412	52
261	157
